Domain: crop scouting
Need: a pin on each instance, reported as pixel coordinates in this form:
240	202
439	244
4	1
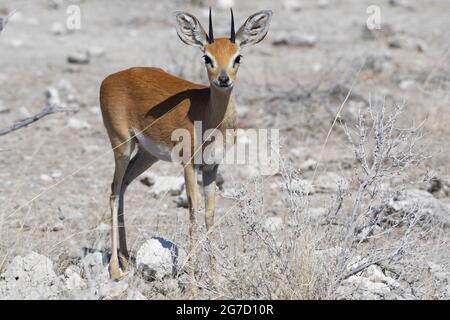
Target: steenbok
141	107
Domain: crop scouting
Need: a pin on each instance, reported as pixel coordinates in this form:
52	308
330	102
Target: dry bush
309	257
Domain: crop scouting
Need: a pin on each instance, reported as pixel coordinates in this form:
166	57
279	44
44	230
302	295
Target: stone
30	277
79	58
402	41
45	178
371	34
402	3
317	213
167	185
308	165
158	258
62	94
96	52
77	124
274	224
323	3
379	62
299	187
3	22
292	5
407	85
73	279
95	267
420	201
330	182
148	179
295	40
182	201
226	4
113	290
371	283
135	295
23	111
438	272
58	29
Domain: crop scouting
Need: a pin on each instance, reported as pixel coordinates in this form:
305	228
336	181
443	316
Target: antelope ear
190	30
254	29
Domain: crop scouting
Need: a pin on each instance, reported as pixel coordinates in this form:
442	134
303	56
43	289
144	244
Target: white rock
226	4
17	16
158	258
45	177
23	111
113	289
3	108
91	148
292	5
316	67
182	201
16	43
375	274
77	124
135	295
79	58
308	165
401	41
407	85
299	186
330	183
54	4
96	52
242	111
62	94
167	185
273	224
29	277
323	3
94	269
73	280
379	62
317	213
363	283
295	39
423	202
148	178
3	22
56	175
402	3
438	272
58	29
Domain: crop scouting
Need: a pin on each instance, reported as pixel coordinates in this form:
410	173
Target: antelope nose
223	78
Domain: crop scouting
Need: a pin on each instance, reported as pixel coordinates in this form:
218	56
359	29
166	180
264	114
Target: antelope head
222	56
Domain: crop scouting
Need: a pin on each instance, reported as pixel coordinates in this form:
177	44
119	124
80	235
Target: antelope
142	106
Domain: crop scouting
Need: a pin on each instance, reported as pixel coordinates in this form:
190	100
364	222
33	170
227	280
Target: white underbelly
162	152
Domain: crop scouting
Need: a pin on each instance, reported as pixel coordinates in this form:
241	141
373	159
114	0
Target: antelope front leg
121	165
209	189
191	193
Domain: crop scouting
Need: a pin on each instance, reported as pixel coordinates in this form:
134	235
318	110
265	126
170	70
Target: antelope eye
237	60
208	60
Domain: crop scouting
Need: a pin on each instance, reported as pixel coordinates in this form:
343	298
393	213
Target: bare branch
48	110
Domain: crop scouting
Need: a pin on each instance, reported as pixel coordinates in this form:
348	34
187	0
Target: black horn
211	33
233	33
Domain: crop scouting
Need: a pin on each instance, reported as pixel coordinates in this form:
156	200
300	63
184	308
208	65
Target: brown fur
157	103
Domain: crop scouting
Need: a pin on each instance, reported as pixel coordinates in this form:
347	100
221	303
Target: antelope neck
220	107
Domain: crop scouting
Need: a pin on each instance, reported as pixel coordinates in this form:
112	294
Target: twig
48	110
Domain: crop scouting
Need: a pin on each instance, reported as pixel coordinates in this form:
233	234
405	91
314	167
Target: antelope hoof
115	272
124	263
